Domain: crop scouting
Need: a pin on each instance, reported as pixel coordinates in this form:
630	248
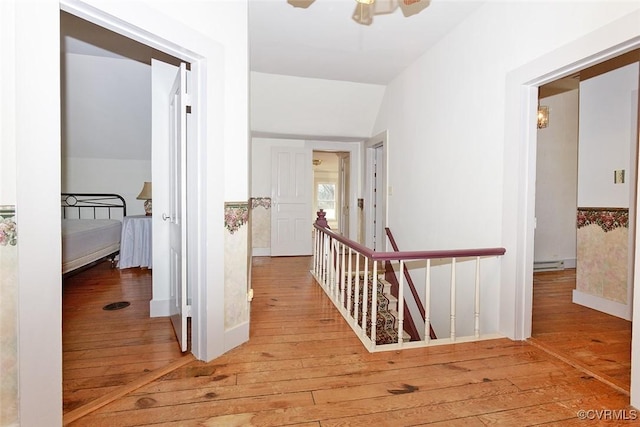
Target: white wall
312	108
608	130
107	108
31	69
225	22
31	66
106	127
449	128
7	102
556	181
124	177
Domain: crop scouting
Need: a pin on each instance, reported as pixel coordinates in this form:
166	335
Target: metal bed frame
93	206
86	205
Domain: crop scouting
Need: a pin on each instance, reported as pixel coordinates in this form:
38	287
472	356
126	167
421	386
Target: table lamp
145	195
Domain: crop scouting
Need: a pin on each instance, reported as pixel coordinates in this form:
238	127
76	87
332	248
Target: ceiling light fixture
367	9
543	117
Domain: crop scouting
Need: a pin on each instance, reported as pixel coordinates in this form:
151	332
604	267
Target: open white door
376	191
344	178
291	196
162	77
178	207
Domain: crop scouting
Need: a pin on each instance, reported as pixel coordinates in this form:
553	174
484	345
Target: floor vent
116	305
548	265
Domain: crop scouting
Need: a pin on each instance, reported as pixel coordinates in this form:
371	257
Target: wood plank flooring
304	367
105	350
590	339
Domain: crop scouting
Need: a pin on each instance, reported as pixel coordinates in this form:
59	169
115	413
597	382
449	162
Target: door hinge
188	109
188	311
250	295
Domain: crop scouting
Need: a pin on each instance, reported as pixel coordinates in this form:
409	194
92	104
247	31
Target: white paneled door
178	207
291	197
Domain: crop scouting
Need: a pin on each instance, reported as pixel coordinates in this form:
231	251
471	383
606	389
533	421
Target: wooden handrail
411	255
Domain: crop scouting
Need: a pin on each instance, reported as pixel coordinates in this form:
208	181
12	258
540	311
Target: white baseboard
261	252
613	308
235	336
159	308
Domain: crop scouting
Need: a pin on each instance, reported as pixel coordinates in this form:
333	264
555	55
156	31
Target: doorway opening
331	188
566	250
107	147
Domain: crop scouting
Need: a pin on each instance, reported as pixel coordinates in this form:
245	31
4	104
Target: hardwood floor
303	366
105	350
589	339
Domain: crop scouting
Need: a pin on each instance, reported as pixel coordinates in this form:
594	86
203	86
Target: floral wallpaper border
8	226
236	214
265	202
606	218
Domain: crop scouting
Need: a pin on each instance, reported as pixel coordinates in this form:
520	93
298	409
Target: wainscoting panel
602	258
8	317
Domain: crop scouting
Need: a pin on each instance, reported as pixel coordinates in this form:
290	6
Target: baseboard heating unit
548	265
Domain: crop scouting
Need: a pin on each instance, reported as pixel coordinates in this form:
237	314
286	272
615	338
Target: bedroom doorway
120	158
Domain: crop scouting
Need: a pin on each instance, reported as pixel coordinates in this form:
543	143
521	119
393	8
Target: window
327	199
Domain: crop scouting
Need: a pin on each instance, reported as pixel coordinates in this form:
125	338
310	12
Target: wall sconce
145	195
543	116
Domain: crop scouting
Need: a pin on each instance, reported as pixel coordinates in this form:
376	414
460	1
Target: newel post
321	221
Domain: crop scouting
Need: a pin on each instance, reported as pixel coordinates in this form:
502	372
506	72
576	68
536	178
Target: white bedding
88	240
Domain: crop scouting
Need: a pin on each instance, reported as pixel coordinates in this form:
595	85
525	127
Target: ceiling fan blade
384	7
300	3
363	13
412	7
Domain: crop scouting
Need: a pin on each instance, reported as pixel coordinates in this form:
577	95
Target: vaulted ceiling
323	41
320	41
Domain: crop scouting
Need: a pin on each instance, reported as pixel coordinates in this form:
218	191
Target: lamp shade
145	194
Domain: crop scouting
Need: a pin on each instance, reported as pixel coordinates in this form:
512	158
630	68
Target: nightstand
136	242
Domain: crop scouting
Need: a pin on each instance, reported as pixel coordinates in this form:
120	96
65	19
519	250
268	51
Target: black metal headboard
93	205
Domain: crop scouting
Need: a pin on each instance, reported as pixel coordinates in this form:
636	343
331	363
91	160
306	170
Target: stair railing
348	273
412	287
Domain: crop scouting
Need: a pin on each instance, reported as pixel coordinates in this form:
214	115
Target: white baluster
350	281
453	299
401	305
323	261
315	251
427	299
343	272
374	302
477	305
365	293
335	278
356	287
